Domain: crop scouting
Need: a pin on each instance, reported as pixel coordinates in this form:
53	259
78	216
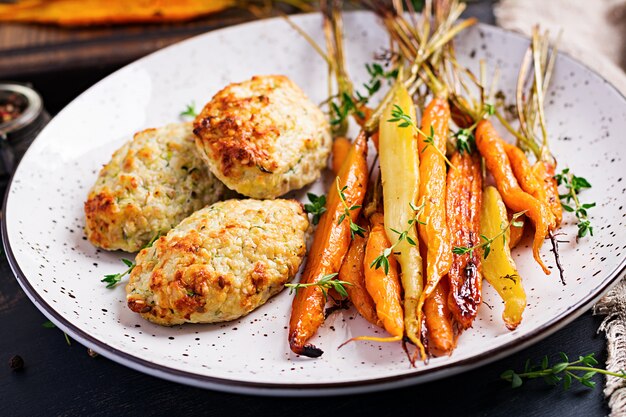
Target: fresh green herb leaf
564	371
316	207
487	241
325	283
113	279
418	5
190	110
383	259
465	141
355	229
345	104
404	120
573	186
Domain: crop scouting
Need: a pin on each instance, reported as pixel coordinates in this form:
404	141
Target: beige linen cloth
594	31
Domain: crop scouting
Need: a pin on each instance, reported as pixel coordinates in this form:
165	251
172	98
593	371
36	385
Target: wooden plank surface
31	49
27	49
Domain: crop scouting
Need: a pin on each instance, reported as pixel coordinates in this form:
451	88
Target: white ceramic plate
60	271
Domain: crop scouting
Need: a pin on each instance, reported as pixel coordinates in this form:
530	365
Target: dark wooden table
62	380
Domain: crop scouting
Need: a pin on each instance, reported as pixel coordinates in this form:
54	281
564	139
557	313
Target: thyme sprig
383	259
465	140
316	207
574	185
377	76
344	105
355	229
113	279
190	110
562	371
342	108
404	120
325	283
488	241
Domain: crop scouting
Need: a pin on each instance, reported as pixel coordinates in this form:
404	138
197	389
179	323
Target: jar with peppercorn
22	117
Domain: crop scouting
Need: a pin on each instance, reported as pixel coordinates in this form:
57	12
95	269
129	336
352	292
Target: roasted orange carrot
433	227
330	244
438	324
463	200
383	286
89	13
341	147
544	171
492	148
526	176
538	62
352	271
460	118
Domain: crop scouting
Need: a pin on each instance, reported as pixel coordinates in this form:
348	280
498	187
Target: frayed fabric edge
613	306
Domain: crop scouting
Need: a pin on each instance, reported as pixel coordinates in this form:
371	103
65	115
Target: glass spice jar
22	117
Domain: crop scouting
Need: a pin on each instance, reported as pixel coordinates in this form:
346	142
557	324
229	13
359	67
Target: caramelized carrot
460	118
330	244
341	147
492	148
526	176
463	200
438	323
352	271
544	171
383	287
433	228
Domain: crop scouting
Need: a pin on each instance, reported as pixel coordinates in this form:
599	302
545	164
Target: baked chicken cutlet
220	263
263	137
150	185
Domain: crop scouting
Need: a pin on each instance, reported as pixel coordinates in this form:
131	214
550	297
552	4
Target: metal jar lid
18	133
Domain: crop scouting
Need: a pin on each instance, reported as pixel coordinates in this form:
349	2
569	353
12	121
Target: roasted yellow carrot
399	166
330	244
499	268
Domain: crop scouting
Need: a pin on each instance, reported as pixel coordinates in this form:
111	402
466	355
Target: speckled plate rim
308	389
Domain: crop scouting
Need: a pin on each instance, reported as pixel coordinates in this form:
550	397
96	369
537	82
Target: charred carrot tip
371	339
311	351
